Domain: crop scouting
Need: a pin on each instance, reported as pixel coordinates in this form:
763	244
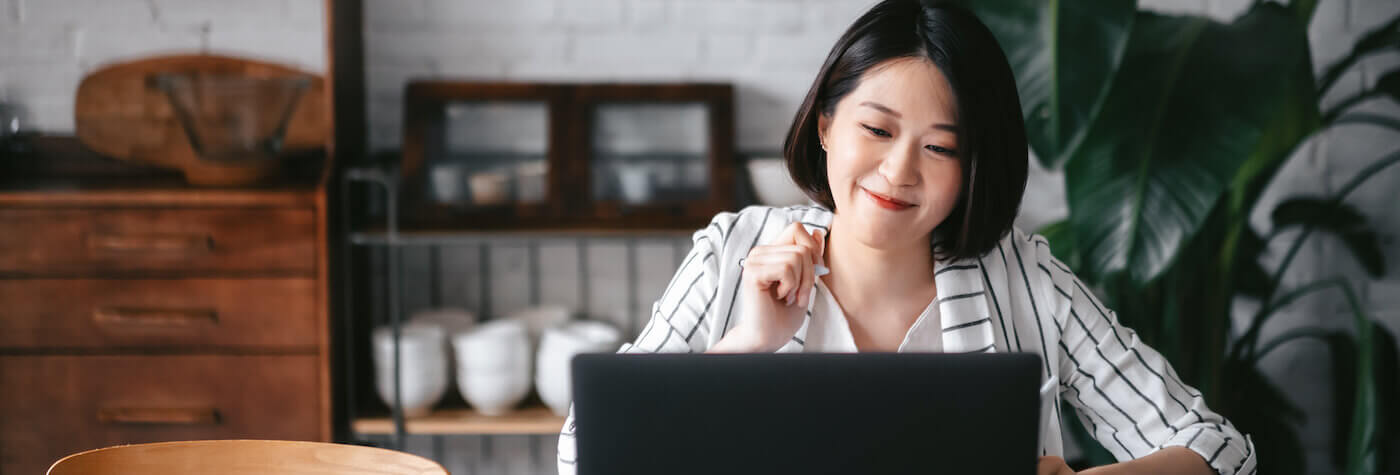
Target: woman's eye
937	149
878	132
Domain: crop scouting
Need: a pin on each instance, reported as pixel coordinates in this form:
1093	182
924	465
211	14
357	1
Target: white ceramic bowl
490	187
494	365
635	181
449	186
541	317
449	321
772	183
553	375
422	367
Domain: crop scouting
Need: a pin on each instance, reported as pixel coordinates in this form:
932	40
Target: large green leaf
1384	37
1193	102
1259	408
1383	370
1340	219
1061	238
1064	54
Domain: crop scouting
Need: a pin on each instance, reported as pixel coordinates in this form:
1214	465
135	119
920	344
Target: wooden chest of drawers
142	311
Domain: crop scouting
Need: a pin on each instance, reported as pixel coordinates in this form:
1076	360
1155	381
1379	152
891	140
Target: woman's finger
810	252
787	236
774	271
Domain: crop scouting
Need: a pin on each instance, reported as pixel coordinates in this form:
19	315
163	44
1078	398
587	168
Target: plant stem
1337	110
1368	118
1294	334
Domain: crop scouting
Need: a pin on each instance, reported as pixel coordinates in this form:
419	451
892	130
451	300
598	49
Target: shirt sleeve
680	320
1126	393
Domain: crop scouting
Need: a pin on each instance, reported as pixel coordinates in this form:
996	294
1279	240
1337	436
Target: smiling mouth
887	202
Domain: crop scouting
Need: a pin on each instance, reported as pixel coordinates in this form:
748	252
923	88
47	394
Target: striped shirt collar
965	317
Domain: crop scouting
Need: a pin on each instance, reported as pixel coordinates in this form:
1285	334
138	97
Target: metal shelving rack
530	420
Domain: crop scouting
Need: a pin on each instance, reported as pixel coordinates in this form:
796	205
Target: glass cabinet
566	156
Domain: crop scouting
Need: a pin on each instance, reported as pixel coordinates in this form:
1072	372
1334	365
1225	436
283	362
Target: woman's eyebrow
882	108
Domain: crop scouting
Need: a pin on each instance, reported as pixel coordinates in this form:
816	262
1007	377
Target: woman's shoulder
1029	256
742	230
1028	246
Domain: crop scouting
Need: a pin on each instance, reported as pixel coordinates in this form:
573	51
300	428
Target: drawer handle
159	415
153	244
182	318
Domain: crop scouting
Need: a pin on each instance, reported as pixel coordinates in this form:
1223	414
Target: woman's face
891	154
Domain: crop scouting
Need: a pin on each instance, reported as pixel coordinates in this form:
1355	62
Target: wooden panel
53	406
93	242
193	313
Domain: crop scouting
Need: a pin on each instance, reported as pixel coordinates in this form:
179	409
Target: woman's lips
887	202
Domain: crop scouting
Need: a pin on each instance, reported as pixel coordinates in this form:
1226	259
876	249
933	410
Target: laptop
805	413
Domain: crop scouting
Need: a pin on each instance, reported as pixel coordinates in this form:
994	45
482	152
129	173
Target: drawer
52	406
108	313
88	242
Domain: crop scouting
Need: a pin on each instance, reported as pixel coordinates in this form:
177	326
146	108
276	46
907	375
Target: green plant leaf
1384	36
1340	219
1343	353
1259	408
1389	84
1061	238
1250	277
1191	105
1387	371
1303	9
1383	371
1064	53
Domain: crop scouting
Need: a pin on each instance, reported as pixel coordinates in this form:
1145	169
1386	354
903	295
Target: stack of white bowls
557	349
422	367
425	363
494	365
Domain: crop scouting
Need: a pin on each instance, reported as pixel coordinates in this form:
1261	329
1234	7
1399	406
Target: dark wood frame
570	204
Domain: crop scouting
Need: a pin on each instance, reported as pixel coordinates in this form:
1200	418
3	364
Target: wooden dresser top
60	171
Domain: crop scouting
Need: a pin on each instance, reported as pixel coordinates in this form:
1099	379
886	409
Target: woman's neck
865	276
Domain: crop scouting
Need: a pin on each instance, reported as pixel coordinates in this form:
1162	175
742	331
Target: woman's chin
884	232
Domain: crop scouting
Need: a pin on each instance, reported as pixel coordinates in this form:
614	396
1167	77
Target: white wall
770	50
46	46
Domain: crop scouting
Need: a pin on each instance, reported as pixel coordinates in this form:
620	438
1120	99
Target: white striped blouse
1017	297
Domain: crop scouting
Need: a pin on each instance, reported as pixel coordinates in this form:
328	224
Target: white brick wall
770	50
50	44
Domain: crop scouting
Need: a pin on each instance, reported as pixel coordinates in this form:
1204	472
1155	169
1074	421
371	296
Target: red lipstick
887	202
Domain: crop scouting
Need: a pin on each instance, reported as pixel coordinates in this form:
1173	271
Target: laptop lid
806	413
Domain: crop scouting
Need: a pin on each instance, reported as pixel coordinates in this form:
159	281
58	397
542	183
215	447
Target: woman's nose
900	166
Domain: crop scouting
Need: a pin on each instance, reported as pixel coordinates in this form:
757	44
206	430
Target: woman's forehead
913	88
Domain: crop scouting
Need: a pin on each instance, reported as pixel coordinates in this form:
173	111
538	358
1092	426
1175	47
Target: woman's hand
1052	465
777	282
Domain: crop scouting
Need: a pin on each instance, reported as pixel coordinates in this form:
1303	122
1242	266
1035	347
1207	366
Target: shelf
528	420
431	238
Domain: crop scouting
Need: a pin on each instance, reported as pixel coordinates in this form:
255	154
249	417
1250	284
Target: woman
912	137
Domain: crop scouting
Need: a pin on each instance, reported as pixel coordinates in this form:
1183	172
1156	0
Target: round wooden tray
119	113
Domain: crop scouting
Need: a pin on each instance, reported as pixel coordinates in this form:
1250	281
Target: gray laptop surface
806	413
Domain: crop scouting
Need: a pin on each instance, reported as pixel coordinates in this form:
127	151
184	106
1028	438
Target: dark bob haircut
991	134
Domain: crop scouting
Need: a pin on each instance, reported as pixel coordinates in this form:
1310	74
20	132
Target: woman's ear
823	124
